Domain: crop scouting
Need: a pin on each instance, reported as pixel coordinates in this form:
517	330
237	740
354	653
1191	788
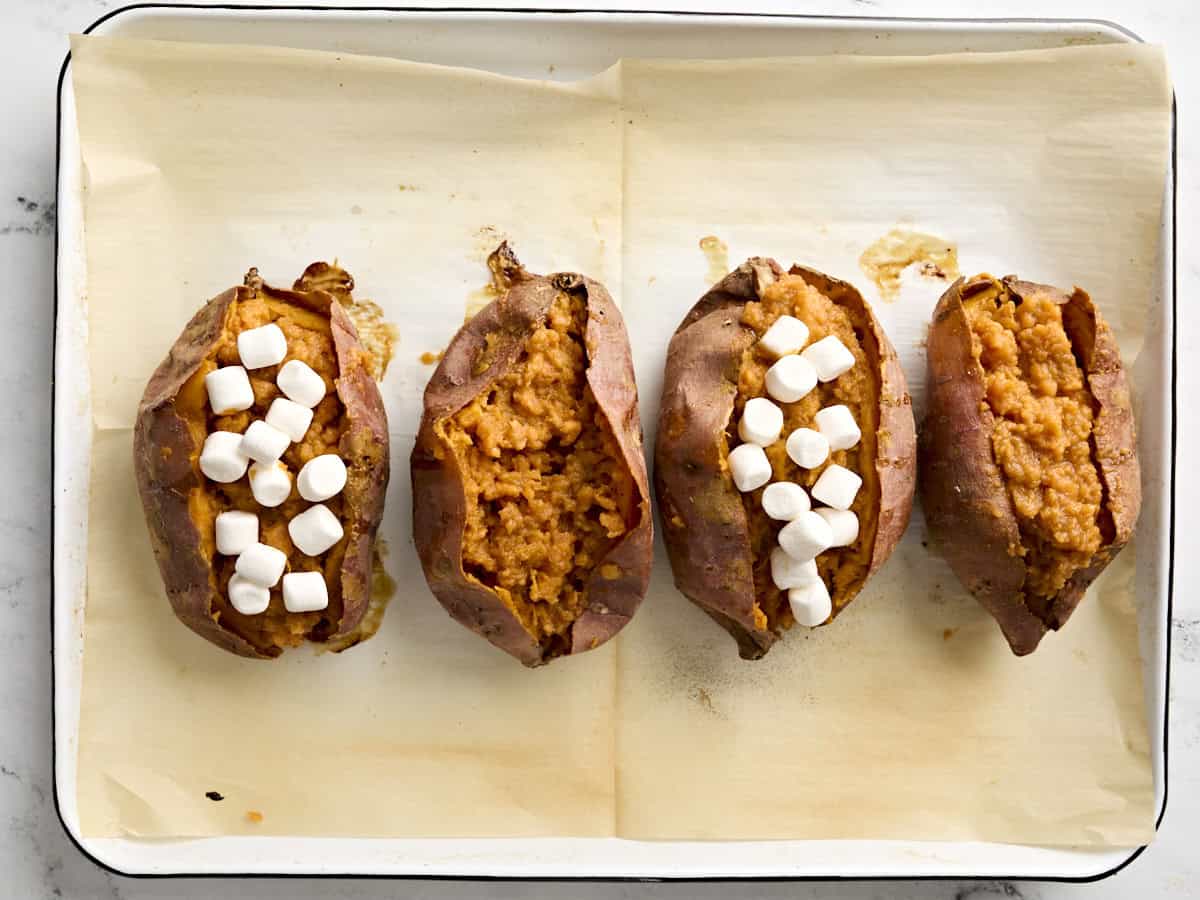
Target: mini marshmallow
806	537
264	443
784	500
787	334
830	357
247	597
749	466
261	564
222	459
301	383
315	530
262	347
322	477
807	448
838	425
270	483
236	530
791	379
229	390
837	487
811	604
305	592
290	417
790	573
843	523
761	422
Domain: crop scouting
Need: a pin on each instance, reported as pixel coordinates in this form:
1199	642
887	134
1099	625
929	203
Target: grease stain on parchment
885	260
377	335
487	239
478	299
717	254
383	589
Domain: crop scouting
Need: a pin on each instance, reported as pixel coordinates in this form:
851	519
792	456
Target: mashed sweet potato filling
547	491
1042	436
309	340
843	569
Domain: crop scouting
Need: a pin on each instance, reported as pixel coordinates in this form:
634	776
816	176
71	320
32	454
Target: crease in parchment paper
204	160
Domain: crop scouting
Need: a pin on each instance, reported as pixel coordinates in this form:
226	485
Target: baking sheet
619	176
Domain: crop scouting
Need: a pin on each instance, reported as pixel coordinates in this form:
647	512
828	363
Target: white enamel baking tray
578	44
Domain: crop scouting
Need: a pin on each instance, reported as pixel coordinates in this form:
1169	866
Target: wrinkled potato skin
439	502
966	502
704	521
166	453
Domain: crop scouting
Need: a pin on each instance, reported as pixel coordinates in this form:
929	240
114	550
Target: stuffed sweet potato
261	457
783	406
531	505
1029	469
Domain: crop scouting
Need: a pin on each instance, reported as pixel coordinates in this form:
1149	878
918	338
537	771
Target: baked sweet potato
1029	471
181	504
720	540
531	504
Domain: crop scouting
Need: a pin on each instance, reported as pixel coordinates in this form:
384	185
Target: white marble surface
36	858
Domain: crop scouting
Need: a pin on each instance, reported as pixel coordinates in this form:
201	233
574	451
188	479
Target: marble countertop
36	858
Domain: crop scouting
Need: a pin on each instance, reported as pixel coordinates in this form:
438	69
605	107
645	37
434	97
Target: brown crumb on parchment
948	633
430	358
214	796
254	817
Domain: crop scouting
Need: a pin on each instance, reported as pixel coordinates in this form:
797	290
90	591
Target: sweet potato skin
704	522
439	502
967	506
166	451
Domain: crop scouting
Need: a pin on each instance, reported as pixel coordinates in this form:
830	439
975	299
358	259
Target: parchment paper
908	718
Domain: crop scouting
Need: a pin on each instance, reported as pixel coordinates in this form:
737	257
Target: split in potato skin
531	501
717	539
843	569
1029	470
1042	440
547	491
309	340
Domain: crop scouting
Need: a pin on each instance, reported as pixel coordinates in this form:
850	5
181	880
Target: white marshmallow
837	487
305	592
806	537
247	597
315	530
262	347
811	604
222	458
749	466
761	422
807	448
289	417
791	379
838	425
264	443
830	357
784	500
787	334
301	383
790	573
843	523
270	483
236	530
229	390
261	564
321	477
